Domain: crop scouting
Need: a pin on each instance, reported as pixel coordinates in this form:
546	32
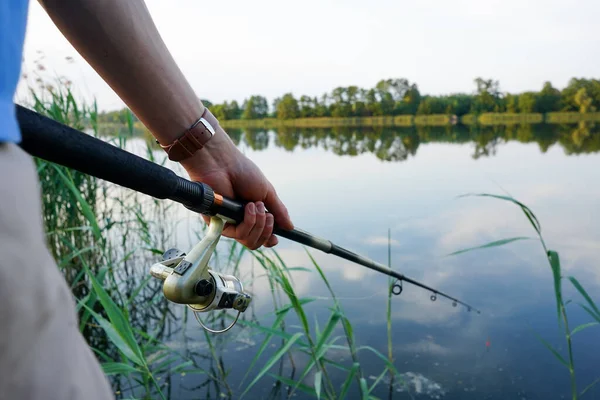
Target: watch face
208	126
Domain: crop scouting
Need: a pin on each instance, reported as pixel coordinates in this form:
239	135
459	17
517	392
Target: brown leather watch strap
194	138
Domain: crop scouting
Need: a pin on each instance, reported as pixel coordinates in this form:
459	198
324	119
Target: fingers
280	212
273	241
242	230
256	229
253	237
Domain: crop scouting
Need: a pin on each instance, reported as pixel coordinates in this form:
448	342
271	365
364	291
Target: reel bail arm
188	280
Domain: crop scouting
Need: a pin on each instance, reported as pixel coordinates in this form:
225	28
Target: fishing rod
187	278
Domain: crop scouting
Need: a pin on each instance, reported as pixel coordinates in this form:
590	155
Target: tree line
400	97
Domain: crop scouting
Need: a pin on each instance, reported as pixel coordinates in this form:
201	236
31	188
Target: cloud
427	346
381	241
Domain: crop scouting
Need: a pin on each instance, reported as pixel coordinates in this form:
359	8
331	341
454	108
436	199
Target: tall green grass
551	257
314	344
94	231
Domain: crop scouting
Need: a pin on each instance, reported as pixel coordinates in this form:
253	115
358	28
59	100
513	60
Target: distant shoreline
412	120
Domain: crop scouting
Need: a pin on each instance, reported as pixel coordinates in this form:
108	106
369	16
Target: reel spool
188	280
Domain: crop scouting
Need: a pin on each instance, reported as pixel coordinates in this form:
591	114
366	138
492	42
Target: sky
230	50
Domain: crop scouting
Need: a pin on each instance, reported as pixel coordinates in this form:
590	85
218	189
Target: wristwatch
194	138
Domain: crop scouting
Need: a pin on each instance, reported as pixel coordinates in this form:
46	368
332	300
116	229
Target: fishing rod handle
233	211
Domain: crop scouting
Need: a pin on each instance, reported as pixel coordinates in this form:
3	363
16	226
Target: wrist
219	153
193	139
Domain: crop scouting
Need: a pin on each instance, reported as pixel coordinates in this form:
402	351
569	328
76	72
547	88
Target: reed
571	117
418	120
93	229
434	120
510	118
551	257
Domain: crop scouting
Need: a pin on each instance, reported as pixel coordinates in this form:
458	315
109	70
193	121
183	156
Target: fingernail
251	209
269	222
261	207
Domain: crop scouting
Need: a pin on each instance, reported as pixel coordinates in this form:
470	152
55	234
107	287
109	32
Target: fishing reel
187	279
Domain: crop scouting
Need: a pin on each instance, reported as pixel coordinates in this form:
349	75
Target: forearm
120	41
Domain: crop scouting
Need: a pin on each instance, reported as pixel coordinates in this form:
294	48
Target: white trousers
42	353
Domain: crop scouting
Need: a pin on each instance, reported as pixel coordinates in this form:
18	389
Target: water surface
351	186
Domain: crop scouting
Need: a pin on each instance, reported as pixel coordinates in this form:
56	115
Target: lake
352	186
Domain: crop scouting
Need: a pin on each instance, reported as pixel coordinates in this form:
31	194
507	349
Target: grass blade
589	311
555	265
321	346
582	327
287	307
318	377
556	354
591	385
114	368
364	390
273	360
91	300
348	381
528	213
305	388
586	296
322	274
116	338
492	244
181	367
265	342
379	378
85	207
117	319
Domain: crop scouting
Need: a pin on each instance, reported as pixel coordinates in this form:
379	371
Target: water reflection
394	143
400	143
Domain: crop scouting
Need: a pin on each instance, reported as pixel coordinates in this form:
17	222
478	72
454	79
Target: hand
230	173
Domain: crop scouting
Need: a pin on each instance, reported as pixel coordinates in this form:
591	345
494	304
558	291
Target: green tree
388	92
528	102
461	104
233	110
341	106
433	105
584	101
548	99
307	107
219	111
321	107
207	103
287	107
410	101
512	103
255	107
373	105
592	89
487	96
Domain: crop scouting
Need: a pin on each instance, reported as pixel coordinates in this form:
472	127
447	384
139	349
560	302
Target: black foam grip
58	143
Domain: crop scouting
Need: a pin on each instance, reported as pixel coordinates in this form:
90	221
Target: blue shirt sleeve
13	20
